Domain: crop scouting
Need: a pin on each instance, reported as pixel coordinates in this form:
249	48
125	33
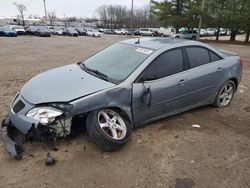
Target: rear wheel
225	94
108	128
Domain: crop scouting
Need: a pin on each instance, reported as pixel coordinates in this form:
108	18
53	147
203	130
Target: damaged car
122	87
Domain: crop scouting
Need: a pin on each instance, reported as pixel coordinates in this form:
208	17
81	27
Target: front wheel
225	94
108	128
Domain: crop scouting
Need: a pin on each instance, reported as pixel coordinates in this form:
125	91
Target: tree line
118	16
228	14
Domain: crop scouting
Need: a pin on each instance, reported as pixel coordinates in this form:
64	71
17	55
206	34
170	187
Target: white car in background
93	33
203	32
18	29
146	32
211	32
167	32
121	31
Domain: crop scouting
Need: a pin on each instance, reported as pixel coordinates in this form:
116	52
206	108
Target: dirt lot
167	153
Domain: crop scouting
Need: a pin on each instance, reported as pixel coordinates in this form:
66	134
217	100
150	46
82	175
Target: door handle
182	82
219	69
147	95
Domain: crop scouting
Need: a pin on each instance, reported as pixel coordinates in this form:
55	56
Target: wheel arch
235	82
124	112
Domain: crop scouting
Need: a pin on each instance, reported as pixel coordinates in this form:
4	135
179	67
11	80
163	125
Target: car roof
157	43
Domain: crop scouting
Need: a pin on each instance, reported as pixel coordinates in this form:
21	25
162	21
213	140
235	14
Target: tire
225	95
104	136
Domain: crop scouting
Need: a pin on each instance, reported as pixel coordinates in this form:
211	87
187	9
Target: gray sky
79	8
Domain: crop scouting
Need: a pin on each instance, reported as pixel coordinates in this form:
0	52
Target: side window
197	56
214	56
166	64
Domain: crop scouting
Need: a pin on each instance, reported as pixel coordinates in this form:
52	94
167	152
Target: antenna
138	41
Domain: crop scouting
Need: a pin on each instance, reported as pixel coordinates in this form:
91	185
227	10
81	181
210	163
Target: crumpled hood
62	84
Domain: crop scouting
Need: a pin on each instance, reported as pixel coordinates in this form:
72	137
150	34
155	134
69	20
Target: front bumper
14	148
16	126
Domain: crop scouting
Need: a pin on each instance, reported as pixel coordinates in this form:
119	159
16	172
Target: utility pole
200	20
132	17
45	12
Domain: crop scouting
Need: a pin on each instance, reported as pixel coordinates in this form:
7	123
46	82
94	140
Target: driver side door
161	88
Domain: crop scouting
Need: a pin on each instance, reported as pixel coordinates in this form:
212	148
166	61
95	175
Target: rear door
204	72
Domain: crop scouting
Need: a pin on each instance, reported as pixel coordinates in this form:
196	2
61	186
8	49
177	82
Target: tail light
241	61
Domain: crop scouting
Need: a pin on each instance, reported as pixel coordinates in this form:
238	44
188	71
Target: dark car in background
7	32
43	32
81	31
31	30
70	32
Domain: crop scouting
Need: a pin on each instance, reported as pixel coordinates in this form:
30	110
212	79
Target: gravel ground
166	153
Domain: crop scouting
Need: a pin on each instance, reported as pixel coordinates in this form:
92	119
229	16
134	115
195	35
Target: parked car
18	29
31	30
7	32
146	32
93	33
187	34
121	88
101	30
109	31
211	32
166	32
203	33
133	32
57	31
82	31
121	31
43	32
156	31
70	32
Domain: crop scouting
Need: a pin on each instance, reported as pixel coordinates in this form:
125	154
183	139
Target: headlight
45	115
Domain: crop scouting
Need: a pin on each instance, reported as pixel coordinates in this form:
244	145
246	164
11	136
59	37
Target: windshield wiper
98	73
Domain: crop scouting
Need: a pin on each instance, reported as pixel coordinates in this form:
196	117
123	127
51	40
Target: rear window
197	56
214	56
166	64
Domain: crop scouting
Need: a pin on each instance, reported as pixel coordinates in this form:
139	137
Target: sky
78	8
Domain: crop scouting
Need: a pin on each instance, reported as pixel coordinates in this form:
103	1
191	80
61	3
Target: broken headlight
45	115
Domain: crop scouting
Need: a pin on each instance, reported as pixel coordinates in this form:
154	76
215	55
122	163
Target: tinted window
166	64
214	56
197	56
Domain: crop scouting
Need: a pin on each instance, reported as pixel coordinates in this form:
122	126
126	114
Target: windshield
118	61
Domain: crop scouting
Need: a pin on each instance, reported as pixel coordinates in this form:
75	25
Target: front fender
117	97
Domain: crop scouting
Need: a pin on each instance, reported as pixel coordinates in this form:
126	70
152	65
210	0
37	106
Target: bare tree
117	16
52	17
21	9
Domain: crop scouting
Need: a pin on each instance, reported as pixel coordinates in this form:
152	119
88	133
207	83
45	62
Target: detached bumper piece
13	139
